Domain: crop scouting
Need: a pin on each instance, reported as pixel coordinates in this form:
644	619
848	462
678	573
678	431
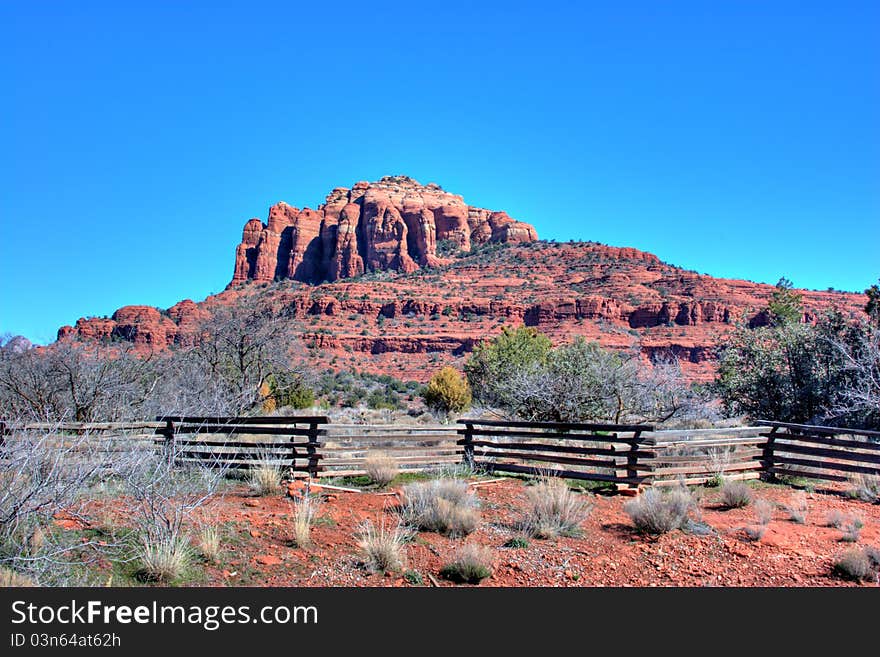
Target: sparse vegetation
265	479
854	564
209	542
305	510
381	467
553	510
656	511
164	560
382	548
865	487
735	495
441	505
797	507
471	564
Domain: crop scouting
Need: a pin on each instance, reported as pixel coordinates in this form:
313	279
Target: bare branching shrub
161	502
797	507
383	548
440	505
44	474
554	510
735	494
264	479
471	564
305	510
763	512
657	512
865	488
854	564
381	467
164	560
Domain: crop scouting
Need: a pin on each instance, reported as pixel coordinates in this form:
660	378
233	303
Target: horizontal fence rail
626	456
413	447
592	452
817	452
290	443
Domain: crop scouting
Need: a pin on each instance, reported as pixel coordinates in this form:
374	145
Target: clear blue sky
738	138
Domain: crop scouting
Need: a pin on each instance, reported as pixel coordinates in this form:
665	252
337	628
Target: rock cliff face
393	224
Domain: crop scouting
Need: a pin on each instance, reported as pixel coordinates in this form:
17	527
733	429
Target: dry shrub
383	549
657	512
854	564
852	529
835	519
441	505
554	510
471	564
165	560
264	479
735	494
304	512
381	467
865	487
763	512
755	533
797	507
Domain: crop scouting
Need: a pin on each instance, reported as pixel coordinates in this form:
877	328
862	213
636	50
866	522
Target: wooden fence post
767	456
468	456
169	445
312	449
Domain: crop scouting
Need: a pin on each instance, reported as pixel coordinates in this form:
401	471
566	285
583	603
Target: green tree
873	305
786	304
497	360
448	391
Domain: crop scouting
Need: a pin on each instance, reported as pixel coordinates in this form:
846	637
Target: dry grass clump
383	549
209	543
381	468
797	507
763	515
305	510
735	495
865	487
471	564
835	519
858	565
11	578
440	505
164	560
554	510
852	529
658	512
264	479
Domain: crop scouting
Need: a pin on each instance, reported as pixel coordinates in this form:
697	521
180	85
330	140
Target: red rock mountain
393	224
366	287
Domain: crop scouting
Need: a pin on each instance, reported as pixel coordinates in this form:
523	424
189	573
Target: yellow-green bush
448	391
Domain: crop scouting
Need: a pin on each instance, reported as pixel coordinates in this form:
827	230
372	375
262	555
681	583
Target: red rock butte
392	224
441	276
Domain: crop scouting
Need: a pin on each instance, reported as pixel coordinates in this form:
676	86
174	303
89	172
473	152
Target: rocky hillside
366	287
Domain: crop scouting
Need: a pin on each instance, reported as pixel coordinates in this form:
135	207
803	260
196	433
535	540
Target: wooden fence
413	447
624	455
592	452
290	443
814	452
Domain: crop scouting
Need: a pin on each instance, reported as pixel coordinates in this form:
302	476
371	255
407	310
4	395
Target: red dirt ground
259	550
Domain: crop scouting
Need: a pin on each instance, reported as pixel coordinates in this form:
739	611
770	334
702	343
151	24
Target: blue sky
737	138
